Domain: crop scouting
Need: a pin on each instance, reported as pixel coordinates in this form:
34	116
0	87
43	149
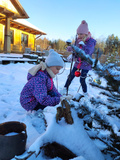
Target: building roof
20	9
14	10
26	26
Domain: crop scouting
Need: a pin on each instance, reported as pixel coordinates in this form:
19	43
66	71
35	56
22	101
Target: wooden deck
22	58
15	58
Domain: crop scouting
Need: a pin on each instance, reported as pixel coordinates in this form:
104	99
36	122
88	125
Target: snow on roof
28	24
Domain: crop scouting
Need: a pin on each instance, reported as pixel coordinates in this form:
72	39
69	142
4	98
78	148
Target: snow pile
74	137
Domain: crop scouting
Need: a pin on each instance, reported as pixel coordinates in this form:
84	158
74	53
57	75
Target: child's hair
54	59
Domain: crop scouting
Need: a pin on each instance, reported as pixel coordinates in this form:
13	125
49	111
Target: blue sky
61	18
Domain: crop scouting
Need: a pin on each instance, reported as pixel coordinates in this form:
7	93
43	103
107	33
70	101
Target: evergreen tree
112	44
112	49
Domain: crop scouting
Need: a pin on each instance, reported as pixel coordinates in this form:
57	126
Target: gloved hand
69	58
82	43
69	49
68	97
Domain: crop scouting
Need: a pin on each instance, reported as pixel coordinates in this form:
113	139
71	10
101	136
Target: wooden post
7	41
65	112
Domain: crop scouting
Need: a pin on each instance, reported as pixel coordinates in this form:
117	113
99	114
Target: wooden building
16	33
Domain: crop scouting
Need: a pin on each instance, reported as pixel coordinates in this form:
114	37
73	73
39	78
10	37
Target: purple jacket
39	88
88	48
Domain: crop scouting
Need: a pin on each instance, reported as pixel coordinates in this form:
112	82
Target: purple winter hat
83	28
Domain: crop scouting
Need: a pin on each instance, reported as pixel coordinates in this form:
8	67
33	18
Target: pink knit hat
83	28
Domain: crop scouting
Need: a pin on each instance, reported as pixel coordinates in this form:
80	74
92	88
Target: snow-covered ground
12	80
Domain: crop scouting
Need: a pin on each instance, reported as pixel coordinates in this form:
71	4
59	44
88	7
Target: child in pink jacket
40	91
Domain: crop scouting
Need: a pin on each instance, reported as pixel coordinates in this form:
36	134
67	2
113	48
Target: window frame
11	36
24	39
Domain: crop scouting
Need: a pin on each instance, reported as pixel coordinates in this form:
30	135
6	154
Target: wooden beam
37	37
7	13
2	21
2	16
19	8
10	14
7	47
2	10
26	29
20	27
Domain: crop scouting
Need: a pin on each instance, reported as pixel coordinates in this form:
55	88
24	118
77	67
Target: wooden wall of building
17	46
1	38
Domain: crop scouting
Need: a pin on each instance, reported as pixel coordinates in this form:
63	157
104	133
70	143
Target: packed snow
12	79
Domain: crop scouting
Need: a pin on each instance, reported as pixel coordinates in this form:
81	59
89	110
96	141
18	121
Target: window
12	36
24	39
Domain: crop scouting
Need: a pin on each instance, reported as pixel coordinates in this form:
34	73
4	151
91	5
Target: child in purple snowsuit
40	91
87	44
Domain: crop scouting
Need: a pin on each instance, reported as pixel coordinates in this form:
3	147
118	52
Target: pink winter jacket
39	89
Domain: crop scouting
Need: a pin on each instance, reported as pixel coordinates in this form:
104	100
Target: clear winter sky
60	18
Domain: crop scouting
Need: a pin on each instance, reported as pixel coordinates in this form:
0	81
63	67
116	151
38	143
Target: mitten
82	43
69	49
68	97
69	58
